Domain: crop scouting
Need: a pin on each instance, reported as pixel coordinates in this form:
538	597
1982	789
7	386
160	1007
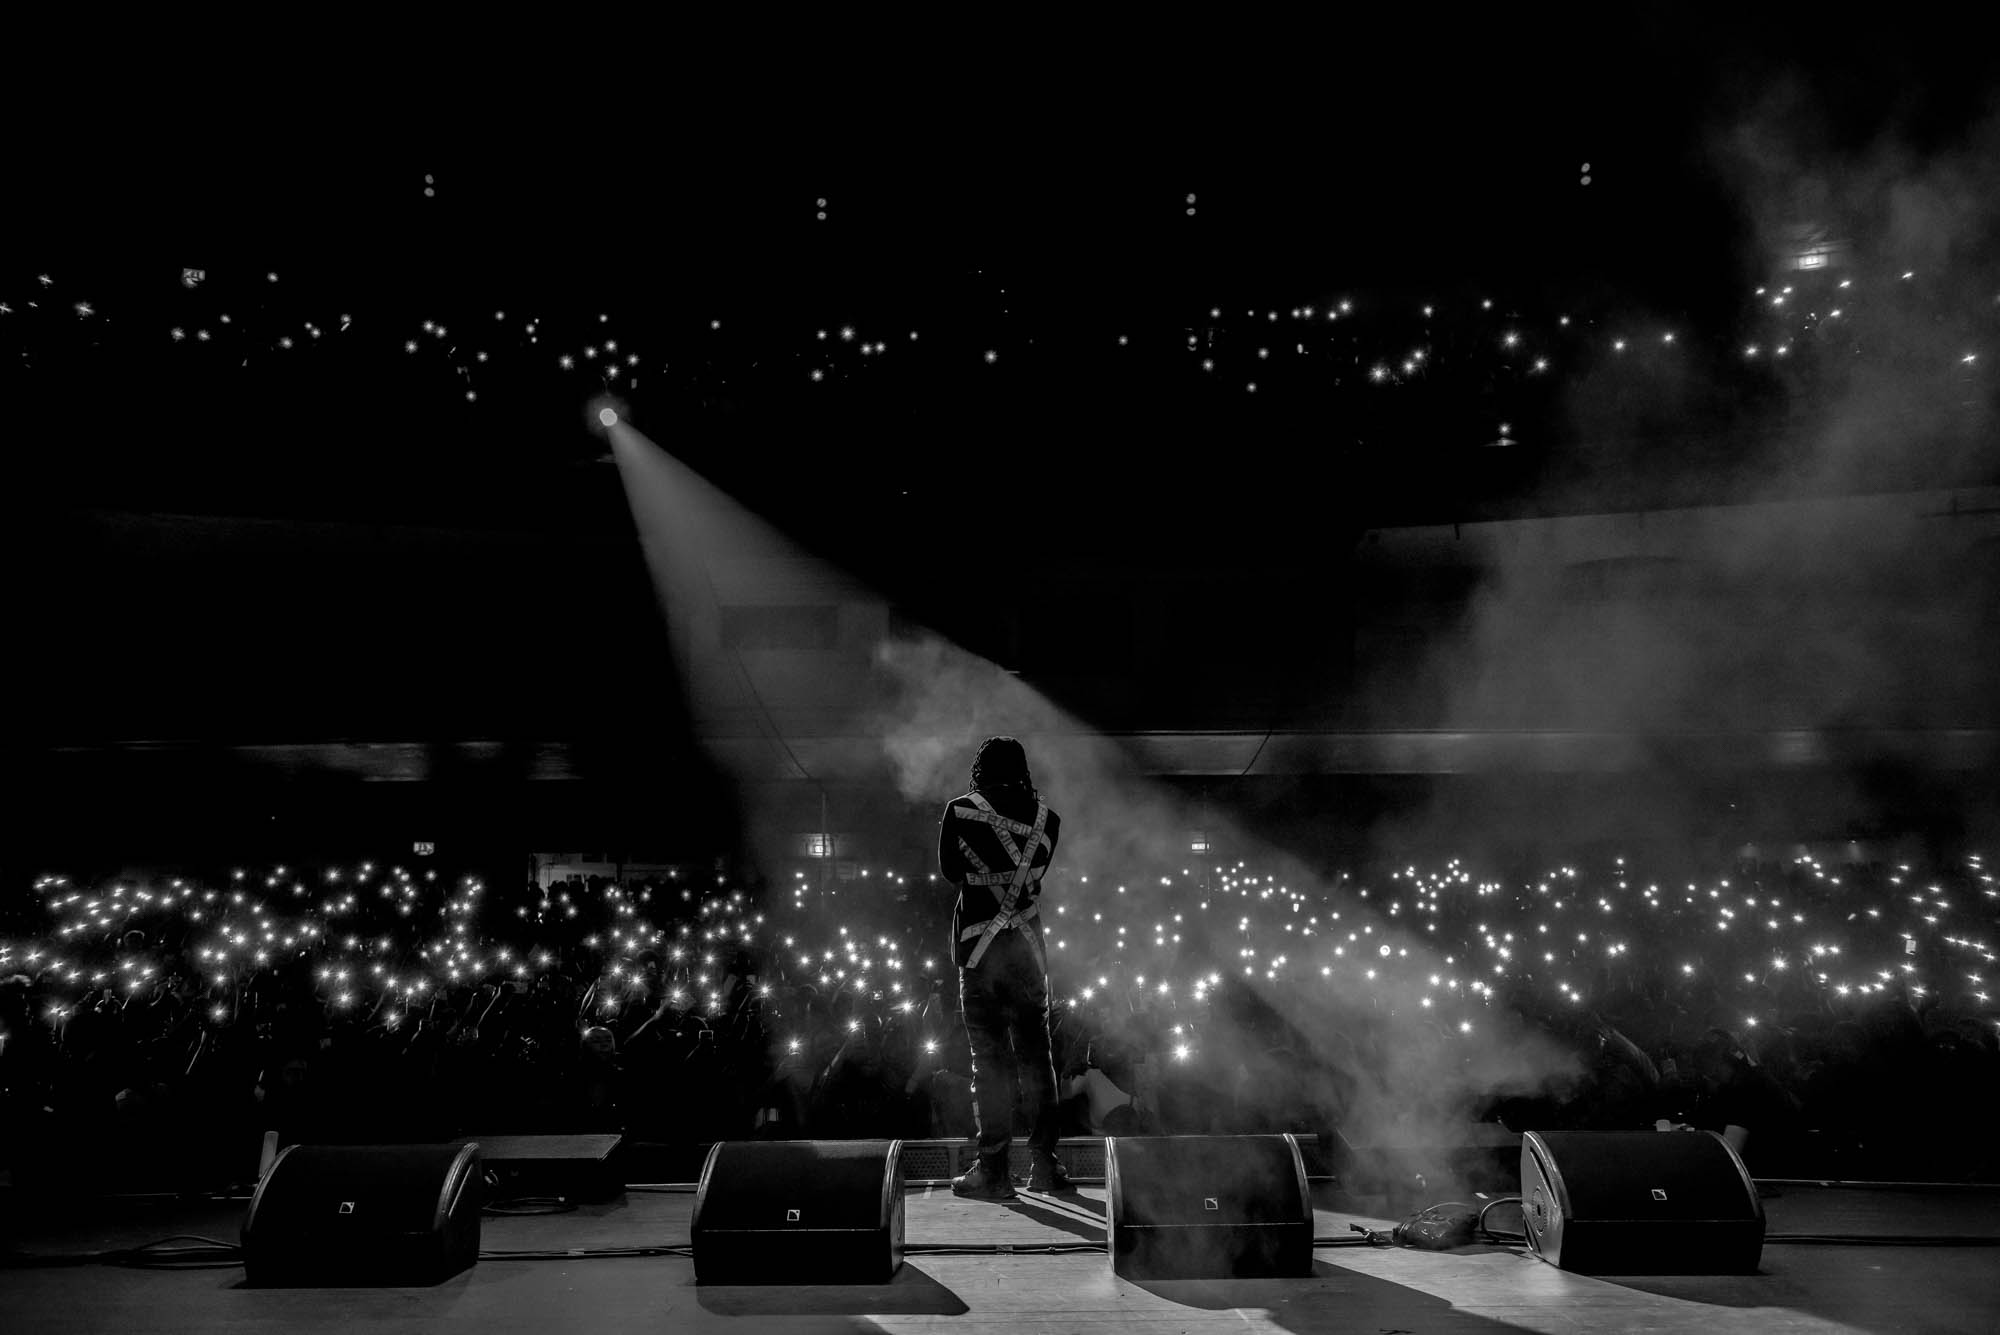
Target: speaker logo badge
1210	1203
1658	1194
347	1207
791	1216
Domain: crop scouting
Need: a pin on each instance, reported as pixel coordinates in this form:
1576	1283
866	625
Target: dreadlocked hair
1002	764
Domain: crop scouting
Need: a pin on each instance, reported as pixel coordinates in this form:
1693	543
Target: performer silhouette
994	843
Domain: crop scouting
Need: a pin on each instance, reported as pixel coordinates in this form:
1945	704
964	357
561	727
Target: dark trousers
1005	1002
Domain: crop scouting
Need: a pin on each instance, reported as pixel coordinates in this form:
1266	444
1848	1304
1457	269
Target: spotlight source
602	412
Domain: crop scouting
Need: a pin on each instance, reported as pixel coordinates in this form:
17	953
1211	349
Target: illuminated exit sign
425	848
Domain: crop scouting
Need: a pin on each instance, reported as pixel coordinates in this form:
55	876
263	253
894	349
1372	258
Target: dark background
361	554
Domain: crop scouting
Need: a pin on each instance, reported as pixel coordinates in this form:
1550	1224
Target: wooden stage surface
1849	1286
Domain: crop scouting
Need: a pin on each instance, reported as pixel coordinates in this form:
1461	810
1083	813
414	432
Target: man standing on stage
994	843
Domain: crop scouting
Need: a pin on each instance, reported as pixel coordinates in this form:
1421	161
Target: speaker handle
1299	1172
892	1179
464	1171
1743	1172
707	1175
263	1185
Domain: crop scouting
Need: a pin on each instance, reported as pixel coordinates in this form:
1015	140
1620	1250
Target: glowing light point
608	416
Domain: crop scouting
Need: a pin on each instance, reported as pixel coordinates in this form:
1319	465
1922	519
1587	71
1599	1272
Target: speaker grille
1208	1206
384	1189
828	1212
795	1183
1642	1202
929	1161
364	1214
1191	1179
1648	1175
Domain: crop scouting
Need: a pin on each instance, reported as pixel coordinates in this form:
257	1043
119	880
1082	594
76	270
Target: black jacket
977	903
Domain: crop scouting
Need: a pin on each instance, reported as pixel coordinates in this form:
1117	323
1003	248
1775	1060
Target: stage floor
1876	1287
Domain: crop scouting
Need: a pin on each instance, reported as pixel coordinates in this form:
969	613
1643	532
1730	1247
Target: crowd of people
679	1017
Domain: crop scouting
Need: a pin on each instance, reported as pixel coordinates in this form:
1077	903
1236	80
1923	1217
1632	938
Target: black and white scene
1334	684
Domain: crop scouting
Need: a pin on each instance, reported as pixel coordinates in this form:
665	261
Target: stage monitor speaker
586	1167
1198	1207
364	1214
1640	1202
799	1212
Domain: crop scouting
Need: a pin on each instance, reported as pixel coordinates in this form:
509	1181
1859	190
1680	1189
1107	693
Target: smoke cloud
1277	1035
1275	1031
1814	614
1796	536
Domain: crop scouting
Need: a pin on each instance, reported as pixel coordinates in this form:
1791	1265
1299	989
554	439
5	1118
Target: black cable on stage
212	1254
1880	1240
529	1205
680	1249
1001	1248
1432	1229
1493	1235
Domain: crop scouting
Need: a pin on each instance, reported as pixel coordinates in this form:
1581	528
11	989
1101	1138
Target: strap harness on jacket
1017	878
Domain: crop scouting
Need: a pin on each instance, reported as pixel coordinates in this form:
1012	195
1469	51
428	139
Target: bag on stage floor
799	1212
1188	1207
1640	1202
364	1214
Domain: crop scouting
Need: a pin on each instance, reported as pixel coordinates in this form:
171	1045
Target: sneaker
979	1185
1049	1178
